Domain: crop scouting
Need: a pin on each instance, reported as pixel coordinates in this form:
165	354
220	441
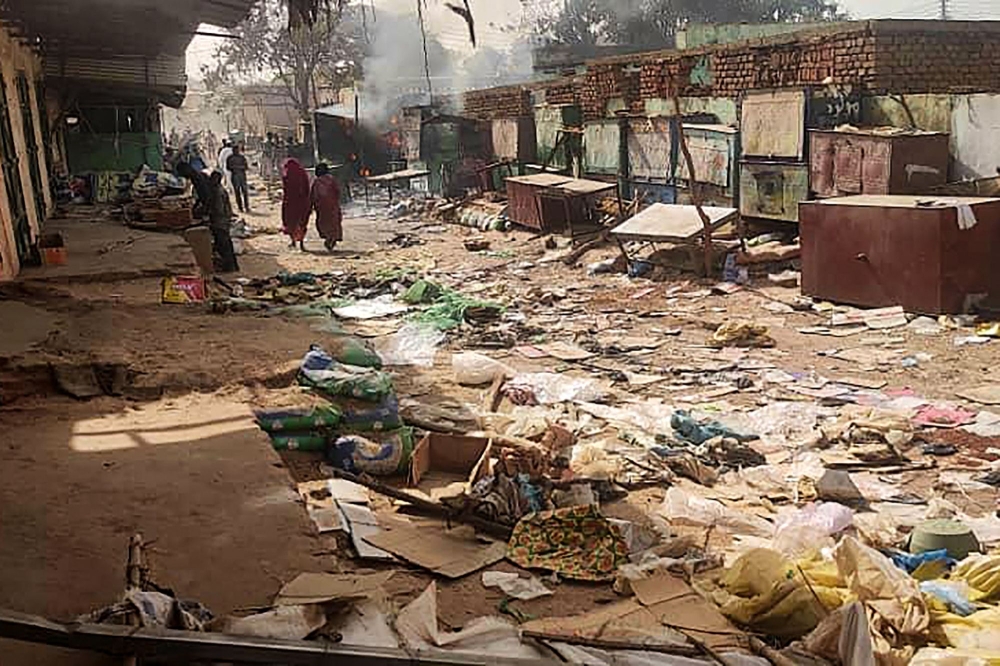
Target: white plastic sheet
688	508
800	531
417	626
513	585
550	388
376	308
472	369
413	344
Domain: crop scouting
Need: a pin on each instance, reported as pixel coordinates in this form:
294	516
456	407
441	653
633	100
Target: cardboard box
448	465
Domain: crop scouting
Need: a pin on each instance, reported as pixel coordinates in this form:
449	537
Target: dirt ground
177	456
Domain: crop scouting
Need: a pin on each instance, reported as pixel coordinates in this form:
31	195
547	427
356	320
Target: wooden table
388	179
668	223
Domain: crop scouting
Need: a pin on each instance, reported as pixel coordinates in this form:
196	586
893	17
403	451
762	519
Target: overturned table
389	179
550	202
668	223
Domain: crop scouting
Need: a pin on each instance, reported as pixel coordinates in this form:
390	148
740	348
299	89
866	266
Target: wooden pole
695	193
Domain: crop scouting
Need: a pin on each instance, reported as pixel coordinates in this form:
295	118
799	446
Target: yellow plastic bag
767	593
979	631
941	657
982	573
887	590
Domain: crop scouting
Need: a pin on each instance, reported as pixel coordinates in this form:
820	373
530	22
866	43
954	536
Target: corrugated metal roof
137	46
121	27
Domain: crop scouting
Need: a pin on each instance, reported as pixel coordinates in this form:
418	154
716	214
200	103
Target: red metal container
843	163
522	198
878	251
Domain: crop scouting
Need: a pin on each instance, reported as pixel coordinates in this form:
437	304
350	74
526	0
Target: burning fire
394	121
365	172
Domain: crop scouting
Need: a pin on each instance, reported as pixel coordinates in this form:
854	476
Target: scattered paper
833	332
988	394
362	524
320	588
513	585
564	351
450	553
284	622
417	625
383	306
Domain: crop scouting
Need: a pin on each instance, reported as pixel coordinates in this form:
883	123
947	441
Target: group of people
212	205
301	197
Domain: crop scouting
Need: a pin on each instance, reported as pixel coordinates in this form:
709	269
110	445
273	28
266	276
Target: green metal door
31	142
12	179
43	119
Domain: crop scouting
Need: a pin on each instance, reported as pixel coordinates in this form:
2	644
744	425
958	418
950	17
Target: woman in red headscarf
325	198
296	206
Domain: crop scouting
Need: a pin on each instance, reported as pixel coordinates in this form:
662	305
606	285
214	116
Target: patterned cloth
577	543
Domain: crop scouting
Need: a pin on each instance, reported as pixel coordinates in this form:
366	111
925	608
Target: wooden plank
663	222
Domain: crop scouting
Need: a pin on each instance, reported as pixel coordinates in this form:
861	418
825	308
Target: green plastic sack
323	373
356	352
305	442
422	291
298	420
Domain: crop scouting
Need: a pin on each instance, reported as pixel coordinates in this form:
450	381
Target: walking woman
295	204
325	197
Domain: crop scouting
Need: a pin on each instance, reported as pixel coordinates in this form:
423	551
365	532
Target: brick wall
938	62
493	103
880	57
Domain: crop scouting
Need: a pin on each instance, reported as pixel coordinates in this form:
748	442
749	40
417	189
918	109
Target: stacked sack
360	430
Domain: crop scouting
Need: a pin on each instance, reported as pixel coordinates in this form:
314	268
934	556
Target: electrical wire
423	36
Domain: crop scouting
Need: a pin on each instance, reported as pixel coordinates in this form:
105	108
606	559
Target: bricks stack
600	85
890	57
494	103
937	62
652	82
560	92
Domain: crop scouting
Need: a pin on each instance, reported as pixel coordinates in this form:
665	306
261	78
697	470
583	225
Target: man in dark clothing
237	166
202	188
220	218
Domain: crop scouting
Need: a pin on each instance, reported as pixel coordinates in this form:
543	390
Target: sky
450	30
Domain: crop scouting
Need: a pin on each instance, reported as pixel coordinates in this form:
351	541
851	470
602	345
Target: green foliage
301	57
653	23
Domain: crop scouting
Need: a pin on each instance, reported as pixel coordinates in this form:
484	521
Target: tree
302	57
653	23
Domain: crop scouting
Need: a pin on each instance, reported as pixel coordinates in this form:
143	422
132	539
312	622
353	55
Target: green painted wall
722	108
931	112
89	153
773	190
548	121
602	147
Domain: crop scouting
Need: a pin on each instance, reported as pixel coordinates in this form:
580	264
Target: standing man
227	150
220	219
238	166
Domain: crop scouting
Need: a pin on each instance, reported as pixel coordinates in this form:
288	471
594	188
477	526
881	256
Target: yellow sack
979	631
982	573
950	657
767	593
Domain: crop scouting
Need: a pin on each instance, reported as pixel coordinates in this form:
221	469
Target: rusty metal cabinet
869	162
877	251
773	190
